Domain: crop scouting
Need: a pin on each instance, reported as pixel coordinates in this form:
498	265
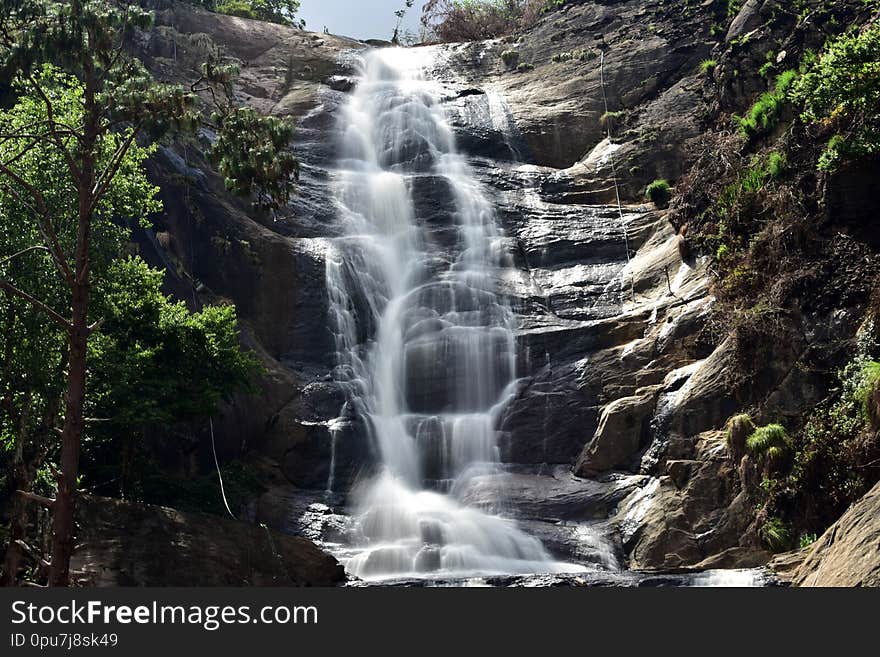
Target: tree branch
47	229
11	290
38	247
39	499
106	179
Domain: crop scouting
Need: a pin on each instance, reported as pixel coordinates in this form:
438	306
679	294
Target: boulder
623	431
128	544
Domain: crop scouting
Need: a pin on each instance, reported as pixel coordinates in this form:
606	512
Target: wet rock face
609	377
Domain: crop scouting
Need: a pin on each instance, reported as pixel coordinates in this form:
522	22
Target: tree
34	351
400	14
153	364
119	103
273	11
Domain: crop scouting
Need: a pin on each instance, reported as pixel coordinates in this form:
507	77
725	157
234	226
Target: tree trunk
64	509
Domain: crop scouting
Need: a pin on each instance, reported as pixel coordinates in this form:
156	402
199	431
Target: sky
361	19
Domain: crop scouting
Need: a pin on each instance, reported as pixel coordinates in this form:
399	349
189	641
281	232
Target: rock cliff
626	380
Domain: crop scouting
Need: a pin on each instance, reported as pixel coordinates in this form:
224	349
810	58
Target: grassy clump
707	66
659	193
522	68
806	540
739	428
776	535
510	58
609	119
770	440
571	55
766	112
867	394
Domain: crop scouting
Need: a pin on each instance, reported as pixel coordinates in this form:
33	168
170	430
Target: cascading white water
425	344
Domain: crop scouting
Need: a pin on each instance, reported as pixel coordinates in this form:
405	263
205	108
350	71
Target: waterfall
425	342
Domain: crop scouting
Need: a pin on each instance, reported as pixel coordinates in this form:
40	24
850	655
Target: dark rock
127	544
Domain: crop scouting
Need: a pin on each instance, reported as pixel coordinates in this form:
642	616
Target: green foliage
775	165
510	58
240	483
834	458
274	11
251	154
524	66
840	91
707	66
659	193
868	383
35	350
739	428
580	54
764	115
733	7
770	440
776	535
154	362
806	540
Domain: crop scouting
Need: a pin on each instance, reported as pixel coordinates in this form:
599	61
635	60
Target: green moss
707	66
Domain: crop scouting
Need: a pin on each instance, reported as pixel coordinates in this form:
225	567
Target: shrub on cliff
273	11
473	20
770	441
840	91
659	193
510	58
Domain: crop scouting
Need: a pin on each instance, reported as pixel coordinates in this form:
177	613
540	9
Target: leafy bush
659	193
840	91
866	392
806	540
523	67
